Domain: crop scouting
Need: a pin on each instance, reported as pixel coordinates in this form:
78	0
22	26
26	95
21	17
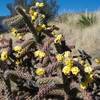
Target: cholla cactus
43	67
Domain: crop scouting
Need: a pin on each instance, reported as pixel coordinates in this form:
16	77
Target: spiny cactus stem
18	74
51	67
13	20
96	68
60	49
86	95
27	20
96	92
23	96
23	30
8	91
81	69
44	91
59	92
48	80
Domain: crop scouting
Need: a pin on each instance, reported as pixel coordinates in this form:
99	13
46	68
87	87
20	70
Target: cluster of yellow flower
16	34
40	54
17	49
58	37
87	68
69	68
89	72
39	4
18	61
66	58
40	27
4	55
40	71
85	84
34	14
97	61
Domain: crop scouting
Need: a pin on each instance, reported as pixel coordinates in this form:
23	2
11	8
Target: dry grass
84	38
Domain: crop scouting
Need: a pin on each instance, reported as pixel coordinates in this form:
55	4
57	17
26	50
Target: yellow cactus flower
40	54
40	71
82	62
43	16
86	65
41	5
67	54
33	18
84	85
75	70
37	4
17	62
4	55
19	36
54	33
35	14
88	69
43	26
69	62
59	57
36	53
58	38
17	48
31	12
66	70
97	61
90	78
1	36
14	32
38	28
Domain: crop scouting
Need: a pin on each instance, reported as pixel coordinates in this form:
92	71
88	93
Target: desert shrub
44	66
87	20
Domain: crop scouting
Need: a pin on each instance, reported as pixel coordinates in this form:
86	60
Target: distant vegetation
80	19
83	27
87	20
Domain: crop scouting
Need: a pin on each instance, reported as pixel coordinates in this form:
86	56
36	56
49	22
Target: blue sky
78	5
65	6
